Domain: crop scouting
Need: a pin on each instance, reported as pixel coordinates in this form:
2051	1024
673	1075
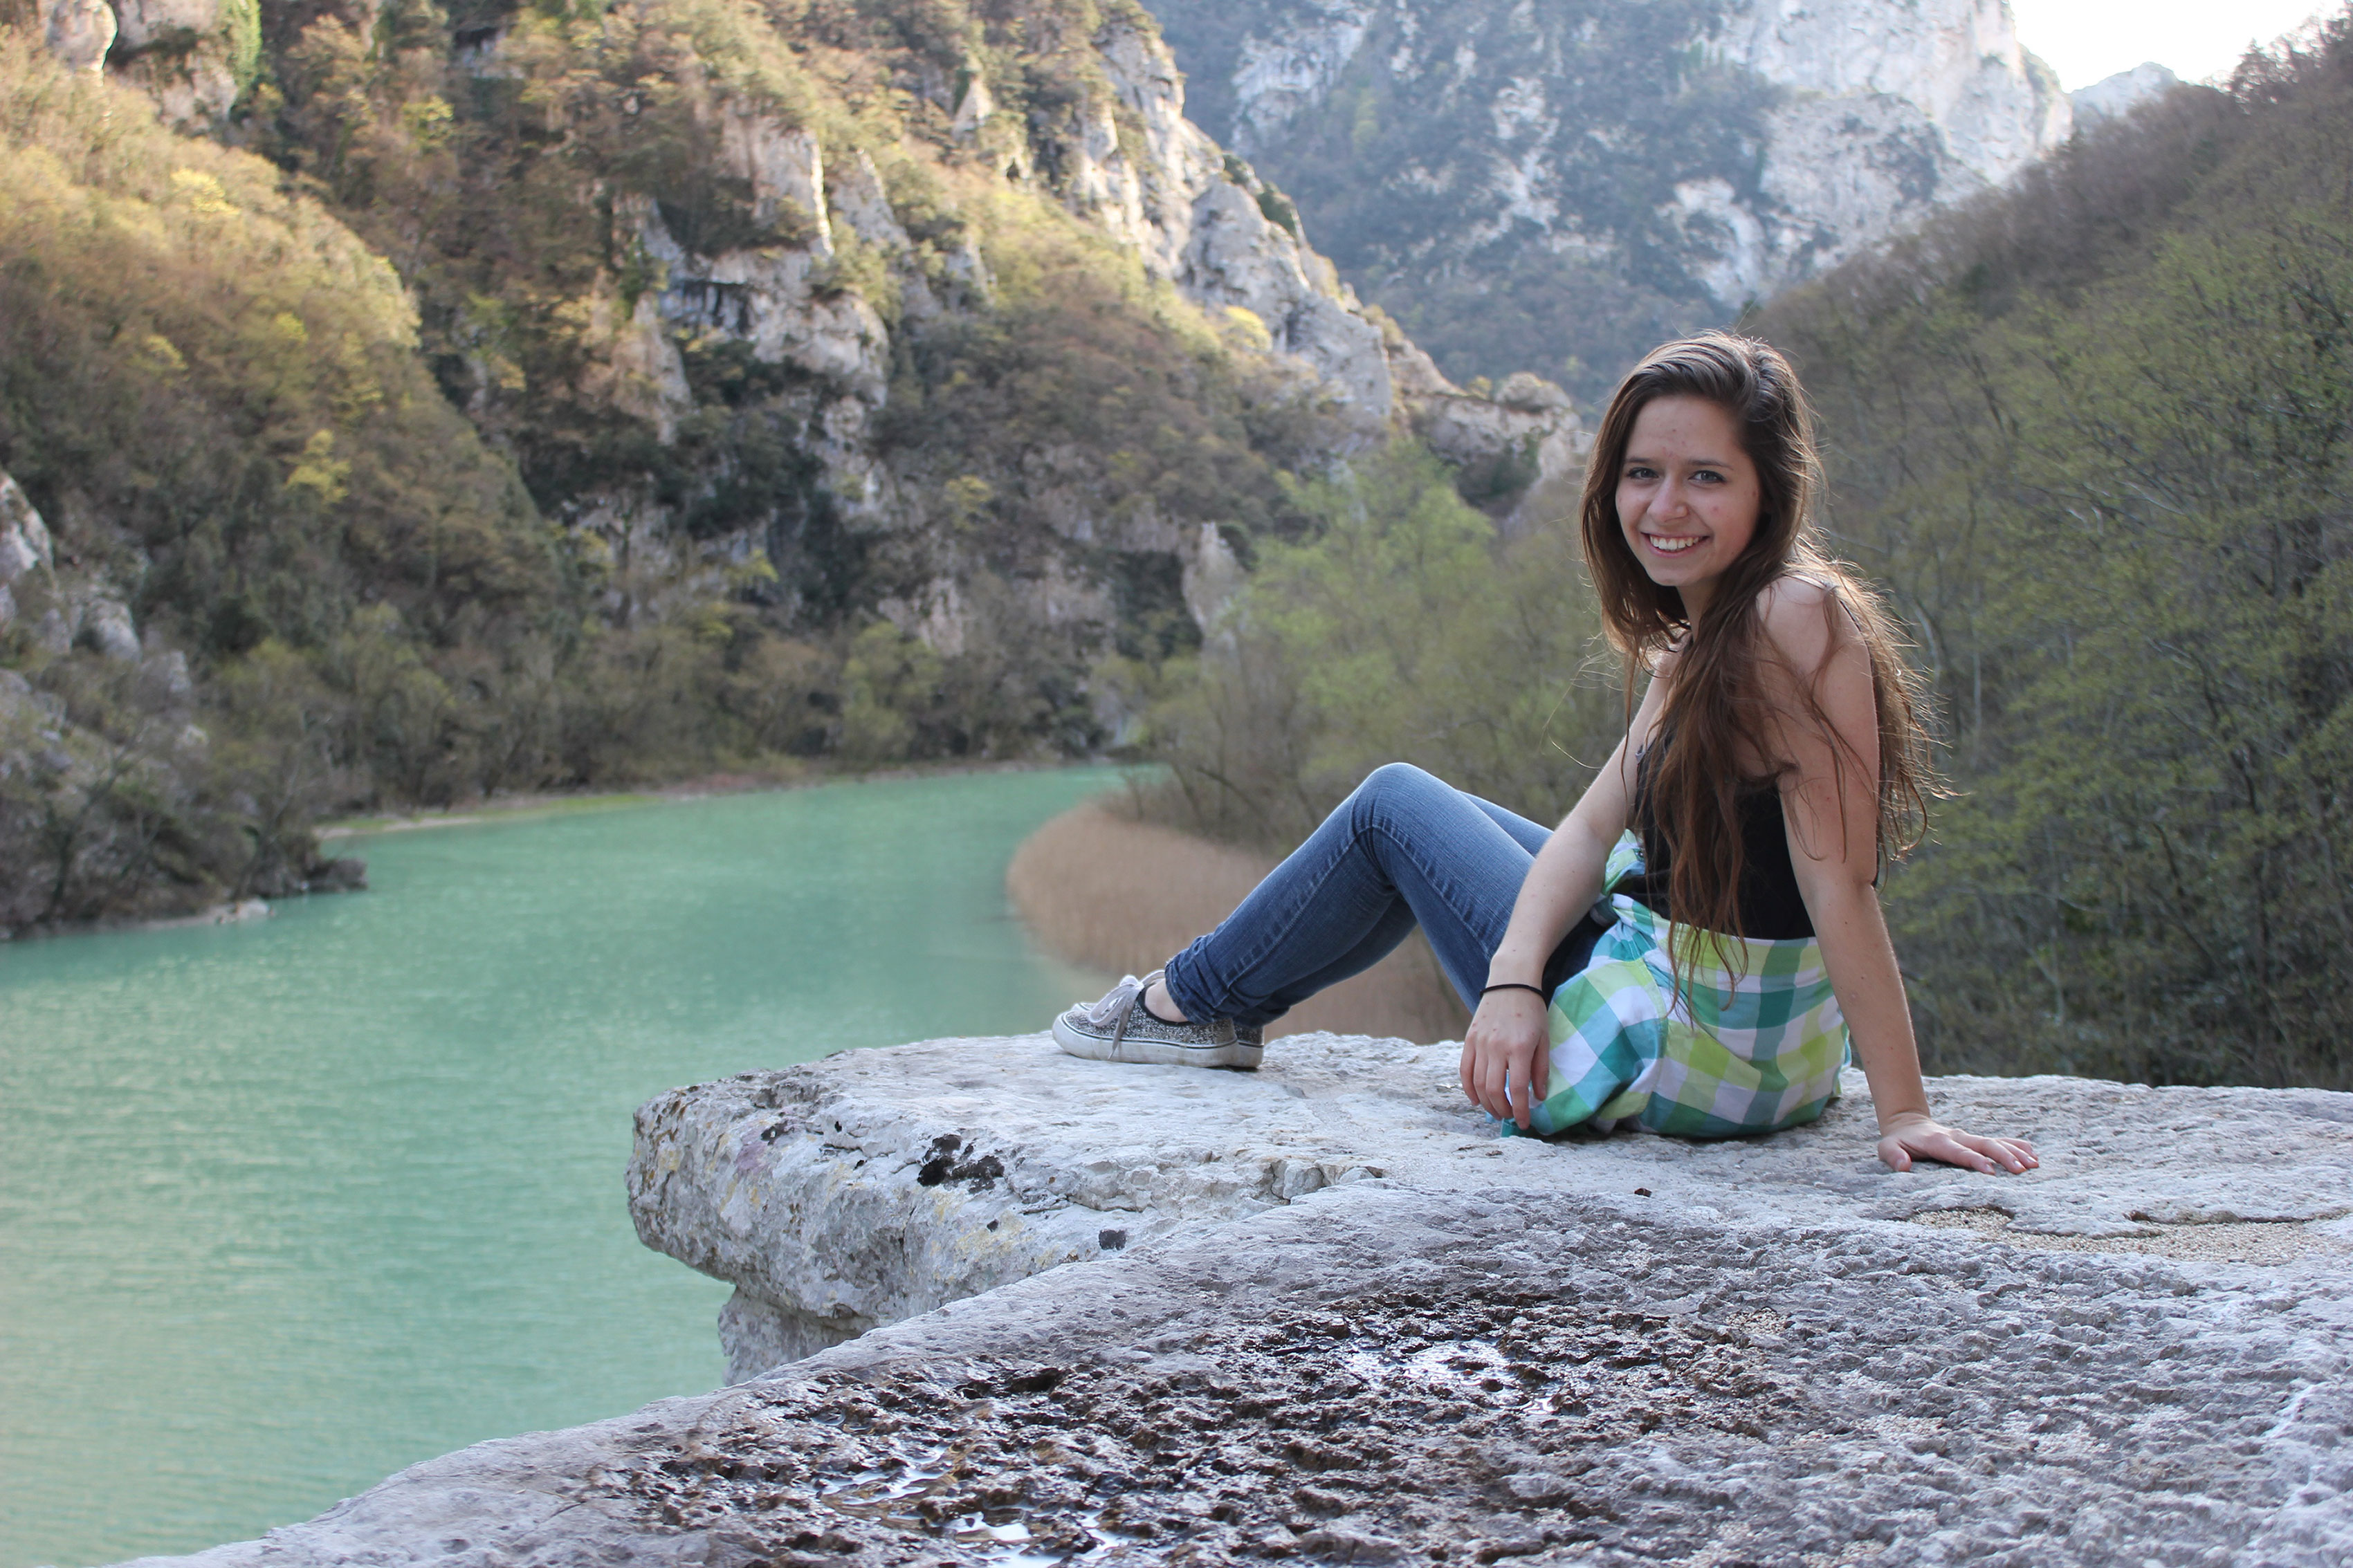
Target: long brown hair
1717	696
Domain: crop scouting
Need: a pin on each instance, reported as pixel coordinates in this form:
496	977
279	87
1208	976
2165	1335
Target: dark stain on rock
1037	1380
1013	1382
980	1171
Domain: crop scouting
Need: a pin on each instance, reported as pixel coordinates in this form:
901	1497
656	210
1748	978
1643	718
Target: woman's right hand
1507	1055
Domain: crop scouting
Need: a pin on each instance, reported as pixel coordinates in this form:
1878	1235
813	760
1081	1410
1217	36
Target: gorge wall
839	385
1556	187
1526	190
821	276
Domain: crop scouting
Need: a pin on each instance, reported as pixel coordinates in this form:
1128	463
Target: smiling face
1687	495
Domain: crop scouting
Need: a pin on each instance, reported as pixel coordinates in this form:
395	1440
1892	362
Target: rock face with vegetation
114	802
693	386
1555	188
1320	1314
194	57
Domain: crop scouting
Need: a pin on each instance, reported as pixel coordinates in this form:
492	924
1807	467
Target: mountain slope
945	313
733	385
1556	187
213	390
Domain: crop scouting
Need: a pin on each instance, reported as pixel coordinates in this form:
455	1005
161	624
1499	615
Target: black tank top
1771	908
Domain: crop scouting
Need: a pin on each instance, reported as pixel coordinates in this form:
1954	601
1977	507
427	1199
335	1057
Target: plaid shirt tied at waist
1753	1042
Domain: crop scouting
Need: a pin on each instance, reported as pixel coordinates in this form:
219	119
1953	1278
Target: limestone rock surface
879	1184
1347	1324
80	32
1527	425
24	543
2118	95
24	537
192	56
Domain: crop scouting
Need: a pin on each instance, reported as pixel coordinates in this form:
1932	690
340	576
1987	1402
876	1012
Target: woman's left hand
1915	1137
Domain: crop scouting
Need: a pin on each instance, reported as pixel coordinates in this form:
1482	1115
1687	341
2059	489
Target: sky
2086	40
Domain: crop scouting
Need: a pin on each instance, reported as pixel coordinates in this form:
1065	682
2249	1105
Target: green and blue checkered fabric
1753	1042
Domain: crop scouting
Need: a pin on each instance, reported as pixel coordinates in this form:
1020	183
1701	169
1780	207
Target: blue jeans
1405	849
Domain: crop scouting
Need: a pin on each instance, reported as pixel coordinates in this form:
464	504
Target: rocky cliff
110	796
2120	94
855	290
1554	187
1320	1312
193	57
794	321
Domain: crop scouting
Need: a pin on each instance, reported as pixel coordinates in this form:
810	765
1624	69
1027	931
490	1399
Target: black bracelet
1518	986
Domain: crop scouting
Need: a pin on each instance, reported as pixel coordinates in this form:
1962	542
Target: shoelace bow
1119	1006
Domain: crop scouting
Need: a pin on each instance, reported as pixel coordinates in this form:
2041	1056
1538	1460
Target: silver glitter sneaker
1120	1029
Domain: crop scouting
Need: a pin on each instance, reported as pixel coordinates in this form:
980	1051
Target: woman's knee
1400	786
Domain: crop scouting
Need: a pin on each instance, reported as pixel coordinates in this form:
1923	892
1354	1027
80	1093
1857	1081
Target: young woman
1693	947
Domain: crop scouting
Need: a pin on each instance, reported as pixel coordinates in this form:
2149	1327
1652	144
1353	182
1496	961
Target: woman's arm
1829	801
1507	1050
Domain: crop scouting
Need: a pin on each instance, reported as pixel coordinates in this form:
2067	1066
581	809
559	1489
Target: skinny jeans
1406	849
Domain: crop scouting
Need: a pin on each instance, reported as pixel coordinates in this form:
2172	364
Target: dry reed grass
1080	881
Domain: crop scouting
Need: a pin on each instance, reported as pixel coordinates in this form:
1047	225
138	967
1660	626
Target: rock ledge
876	1185
1320	1313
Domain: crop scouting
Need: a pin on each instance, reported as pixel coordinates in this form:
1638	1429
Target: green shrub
1398	630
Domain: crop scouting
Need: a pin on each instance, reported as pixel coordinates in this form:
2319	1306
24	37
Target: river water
287	1206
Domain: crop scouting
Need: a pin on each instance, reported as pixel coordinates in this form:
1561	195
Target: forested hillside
2092	436
504	398
1557	188
211	387
2095	436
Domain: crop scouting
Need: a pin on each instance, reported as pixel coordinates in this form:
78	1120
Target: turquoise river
290	1205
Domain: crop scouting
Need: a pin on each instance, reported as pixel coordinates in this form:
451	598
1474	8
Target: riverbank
1104	890
517	806
521	805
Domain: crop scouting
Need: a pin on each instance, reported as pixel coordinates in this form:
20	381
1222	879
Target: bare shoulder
1805	624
